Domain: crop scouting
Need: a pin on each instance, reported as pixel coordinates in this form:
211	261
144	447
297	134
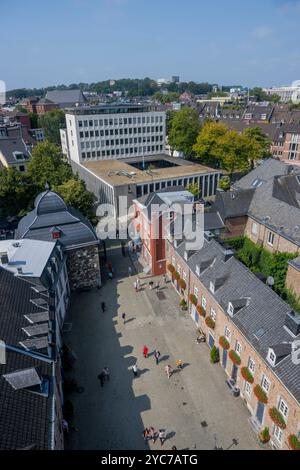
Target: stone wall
84	267
293	280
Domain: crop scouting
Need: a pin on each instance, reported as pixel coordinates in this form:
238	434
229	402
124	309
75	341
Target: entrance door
194	314
224	358
234	372
260	412
211	341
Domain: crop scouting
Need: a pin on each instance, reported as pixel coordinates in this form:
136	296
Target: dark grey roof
295	263
233	203
10	145
66	98
51	212
261	313
24	416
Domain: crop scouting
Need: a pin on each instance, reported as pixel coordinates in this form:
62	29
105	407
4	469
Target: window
227	333
283	408
196	291
271	237
251	365
230	309
248	389
184	275
238	348
271	357
254	228
213	314
278	434
212	287
204	303
265	384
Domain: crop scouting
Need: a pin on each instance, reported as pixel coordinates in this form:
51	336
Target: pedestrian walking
174	448
152	434
135	370
145	351
165	279
103	306
157	356
151	285
168	370
101	377
124	318
146	435
179	364
129	271
106	373
162	436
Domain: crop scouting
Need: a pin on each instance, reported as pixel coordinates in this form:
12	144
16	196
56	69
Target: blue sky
253	42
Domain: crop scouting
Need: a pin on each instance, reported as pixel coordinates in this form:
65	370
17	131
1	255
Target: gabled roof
10	145
66	97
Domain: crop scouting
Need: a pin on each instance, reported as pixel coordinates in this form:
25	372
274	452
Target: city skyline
90	41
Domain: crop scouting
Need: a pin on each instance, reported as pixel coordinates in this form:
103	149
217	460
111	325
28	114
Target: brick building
253	329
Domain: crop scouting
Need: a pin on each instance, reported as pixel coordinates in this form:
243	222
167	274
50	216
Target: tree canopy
51	122
75	194
183	130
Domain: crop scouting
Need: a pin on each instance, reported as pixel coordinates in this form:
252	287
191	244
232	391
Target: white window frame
196	291
230	309
198	270
227	333
213	314
184	275
238	348
278	434
265	384
271	357
212	287
271	238
248	389
203	302
251	365
283	408
254	228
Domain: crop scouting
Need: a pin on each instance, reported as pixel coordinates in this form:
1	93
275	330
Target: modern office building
286	93
113	131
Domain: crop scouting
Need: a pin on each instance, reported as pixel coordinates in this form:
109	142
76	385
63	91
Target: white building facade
286	93
113	132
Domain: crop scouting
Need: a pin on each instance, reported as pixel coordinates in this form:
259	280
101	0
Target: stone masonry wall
84	267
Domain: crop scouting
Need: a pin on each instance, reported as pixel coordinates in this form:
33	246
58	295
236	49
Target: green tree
16	193
75	194
34	120
257	144
47	165
233	153
51	122
207	146
260	95
194	189
183	132
225	183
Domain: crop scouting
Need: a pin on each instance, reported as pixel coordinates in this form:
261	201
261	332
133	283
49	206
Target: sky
247	42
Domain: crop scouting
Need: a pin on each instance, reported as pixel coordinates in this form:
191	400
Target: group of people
150	434
104	376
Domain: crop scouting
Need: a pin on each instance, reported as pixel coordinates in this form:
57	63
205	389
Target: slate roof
24	416
270	194
261	320
10	145
51	212
65	98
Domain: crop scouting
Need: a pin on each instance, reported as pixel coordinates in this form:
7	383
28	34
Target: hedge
260	394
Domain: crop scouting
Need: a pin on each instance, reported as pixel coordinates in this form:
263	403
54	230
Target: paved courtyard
195	406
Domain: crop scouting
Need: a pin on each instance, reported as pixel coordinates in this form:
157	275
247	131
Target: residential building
264	206
286	143
14	153
66	98
44	105
254	330
42	263
154	219
52	220
30	103
114	131
136	177
30	380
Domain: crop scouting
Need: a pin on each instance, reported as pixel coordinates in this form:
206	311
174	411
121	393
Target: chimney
227	254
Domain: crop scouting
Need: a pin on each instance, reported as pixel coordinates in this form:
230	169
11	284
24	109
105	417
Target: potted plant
277	417
214	355
294	442
182	284
260	394
201	311
177	276
235	357
264	436
246	374
171	268
193	299
183	305
224	343
210	323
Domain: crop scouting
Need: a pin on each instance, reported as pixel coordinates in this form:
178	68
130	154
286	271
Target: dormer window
212	287
198	270
271	358
230	309
186	255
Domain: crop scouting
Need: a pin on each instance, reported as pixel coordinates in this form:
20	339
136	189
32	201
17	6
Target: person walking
129	271
146	435
145	351
135	370
179	364
124	317
101	377
165	279
162	436
157	356
152	434
103	306
106	373
168	370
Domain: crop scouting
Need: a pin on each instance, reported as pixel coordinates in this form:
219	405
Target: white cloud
262	32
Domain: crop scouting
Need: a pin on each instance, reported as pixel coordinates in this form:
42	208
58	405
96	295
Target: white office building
286	93
113	132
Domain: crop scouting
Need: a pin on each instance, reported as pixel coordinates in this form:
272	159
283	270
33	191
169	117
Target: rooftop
118	108
120	172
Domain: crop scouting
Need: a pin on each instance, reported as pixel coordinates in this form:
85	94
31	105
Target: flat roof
120	172
114	108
